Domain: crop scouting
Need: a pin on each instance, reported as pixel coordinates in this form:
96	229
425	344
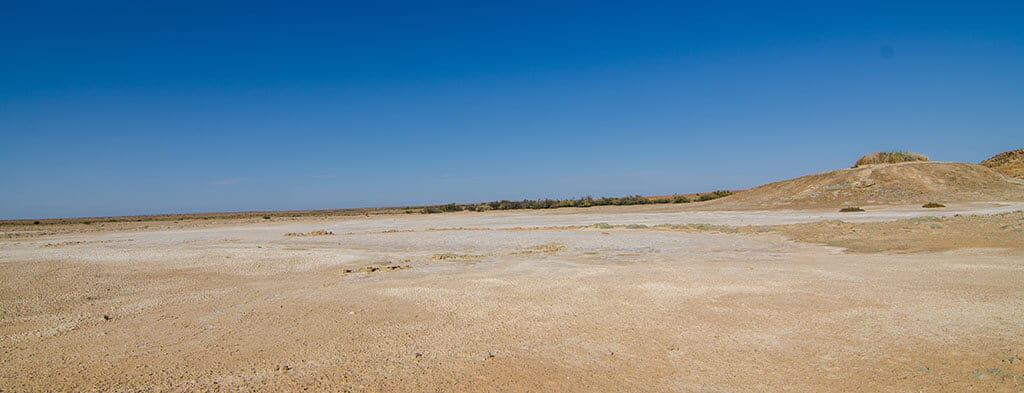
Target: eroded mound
1010	163
882	184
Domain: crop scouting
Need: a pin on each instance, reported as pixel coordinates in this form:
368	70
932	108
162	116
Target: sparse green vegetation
850	209
713	195
603	225
890	157
587	201
933	205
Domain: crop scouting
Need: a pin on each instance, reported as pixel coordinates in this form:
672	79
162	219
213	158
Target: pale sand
510	301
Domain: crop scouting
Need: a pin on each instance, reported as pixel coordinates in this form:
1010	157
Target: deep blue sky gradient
131	108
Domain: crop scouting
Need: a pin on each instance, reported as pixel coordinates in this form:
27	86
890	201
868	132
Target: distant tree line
451	207
578	202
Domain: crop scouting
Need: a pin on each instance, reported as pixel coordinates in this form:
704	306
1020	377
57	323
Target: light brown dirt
880	184
509	302
1010	163
1004	231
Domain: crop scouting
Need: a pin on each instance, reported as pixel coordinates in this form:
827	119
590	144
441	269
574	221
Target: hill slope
881	184
1009	163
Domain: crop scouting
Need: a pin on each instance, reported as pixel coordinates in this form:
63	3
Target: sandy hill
881	184
1009	163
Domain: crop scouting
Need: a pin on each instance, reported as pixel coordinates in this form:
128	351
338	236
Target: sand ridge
908	183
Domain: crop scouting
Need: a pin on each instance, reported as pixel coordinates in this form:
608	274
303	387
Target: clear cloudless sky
135	107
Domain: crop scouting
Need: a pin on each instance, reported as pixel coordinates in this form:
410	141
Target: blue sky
110	108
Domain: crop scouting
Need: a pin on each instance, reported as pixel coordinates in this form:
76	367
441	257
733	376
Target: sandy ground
523	301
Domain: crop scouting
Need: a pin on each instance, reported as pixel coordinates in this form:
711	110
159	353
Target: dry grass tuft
549	248
889	157
450	256
314	233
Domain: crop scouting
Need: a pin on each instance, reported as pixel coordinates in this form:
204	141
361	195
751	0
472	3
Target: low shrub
713	195
932	205
586	201
850	209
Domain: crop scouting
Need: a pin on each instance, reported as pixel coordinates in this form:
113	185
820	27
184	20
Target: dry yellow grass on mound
1010	163
890	157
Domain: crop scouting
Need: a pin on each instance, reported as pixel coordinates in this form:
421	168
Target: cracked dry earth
520	301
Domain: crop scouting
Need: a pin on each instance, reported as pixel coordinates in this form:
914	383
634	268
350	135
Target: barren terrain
644	298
